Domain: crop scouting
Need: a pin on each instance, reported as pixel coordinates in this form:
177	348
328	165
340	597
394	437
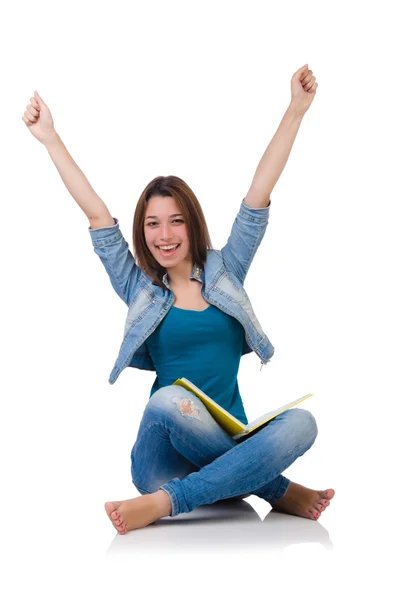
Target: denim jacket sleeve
111	247
247	233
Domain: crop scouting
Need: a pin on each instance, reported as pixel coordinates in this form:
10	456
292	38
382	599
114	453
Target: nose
165	231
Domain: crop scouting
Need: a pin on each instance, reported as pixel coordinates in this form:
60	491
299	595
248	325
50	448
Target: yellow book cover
235	428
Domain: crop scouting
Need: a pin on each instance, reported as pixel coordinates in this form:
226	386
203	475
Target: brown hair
199	239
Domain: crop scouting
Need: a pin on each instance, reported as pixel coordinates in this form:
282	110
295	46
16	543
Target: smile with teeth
168	250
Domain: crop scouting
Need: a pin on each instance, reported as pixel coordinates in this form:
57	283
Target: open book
235	428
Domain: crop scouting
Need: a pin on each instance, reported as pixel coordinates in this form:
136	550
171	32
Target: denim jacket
222	277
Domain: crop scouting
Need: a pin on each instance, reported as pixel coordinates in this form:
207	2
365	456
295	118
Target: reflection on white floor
227	525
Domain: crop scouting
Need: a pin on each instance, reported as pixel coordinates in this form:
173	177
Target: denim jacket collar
197	273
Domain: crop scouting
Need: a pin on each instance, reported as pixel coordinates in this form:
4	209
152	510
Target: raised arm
247	232
108	242
251	222
78	185
272	163
40	123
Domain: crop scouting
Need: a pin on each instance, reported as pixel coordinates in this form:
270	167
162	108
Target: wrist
51	139
295	111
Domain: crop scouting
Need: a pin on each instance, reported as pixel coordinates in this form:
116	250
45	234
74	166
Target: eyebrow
175	215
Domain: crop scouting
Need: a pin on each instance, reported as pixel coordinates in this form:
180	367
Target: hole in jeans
186	407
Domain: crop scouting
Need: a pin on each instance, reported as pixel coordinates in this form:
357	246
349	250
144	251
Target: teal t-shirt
203	346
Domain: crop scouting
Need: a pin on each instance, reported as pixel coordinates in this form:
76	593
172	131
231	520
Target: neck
180	274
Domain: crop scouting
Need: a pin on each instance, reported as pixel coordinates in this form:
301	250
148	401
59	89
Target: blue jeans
182	450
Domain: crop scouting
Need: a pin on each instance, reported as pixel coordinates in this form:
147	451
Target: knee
160	398
305	424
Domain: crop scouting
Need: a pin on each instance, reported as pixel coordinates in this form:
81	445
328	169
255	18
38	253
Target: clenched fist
38	119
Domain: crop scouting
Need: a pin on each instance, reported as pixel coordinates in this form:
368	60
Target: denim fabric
222	277
182	450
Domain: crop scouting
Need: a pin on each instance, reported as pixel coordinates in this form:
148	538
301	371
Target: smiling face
164	226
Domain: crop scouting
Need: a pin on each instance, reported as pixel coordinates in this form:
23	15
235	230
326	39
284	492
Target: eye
155	222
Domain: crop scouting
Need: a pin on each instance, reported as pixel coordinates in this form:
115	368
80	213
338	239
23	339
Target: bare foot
303	501
138	512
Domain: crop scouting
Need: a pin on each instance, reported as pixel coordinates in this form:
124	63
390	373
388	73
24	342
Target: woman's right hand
38	119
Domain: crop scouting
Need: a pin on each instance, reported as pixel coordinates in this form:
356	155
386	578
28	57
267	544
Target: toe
328	494
111	507
314	514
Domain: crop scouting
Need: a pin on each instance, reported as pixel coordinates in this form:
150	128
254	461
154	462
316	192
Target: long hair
199	239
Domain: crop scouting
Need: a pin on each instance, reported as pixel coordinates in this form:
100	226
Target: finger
307	77
30	117
300	73
32	110
35	103
311	83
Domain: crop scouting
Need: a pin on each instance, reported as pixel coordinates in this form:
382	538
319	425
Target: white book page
273	413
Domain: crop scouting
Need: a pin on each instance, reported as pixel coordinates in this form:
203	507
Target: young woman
189	316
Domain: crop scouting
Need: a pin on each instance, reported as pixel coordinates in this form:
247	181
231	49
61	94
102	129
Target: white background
197	89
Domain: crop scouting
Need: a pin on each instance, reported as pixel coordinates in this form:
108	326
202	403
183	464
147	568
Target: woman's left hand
303	89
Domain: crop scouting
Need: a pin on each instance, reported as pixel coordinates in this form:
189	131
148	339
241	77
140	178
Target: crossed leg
178	439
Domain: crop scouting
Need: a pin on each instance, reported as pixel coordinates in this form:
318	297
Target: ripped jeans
182	450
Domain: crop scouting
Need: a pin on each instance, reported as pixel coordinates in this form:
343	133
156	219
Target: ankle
163	502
